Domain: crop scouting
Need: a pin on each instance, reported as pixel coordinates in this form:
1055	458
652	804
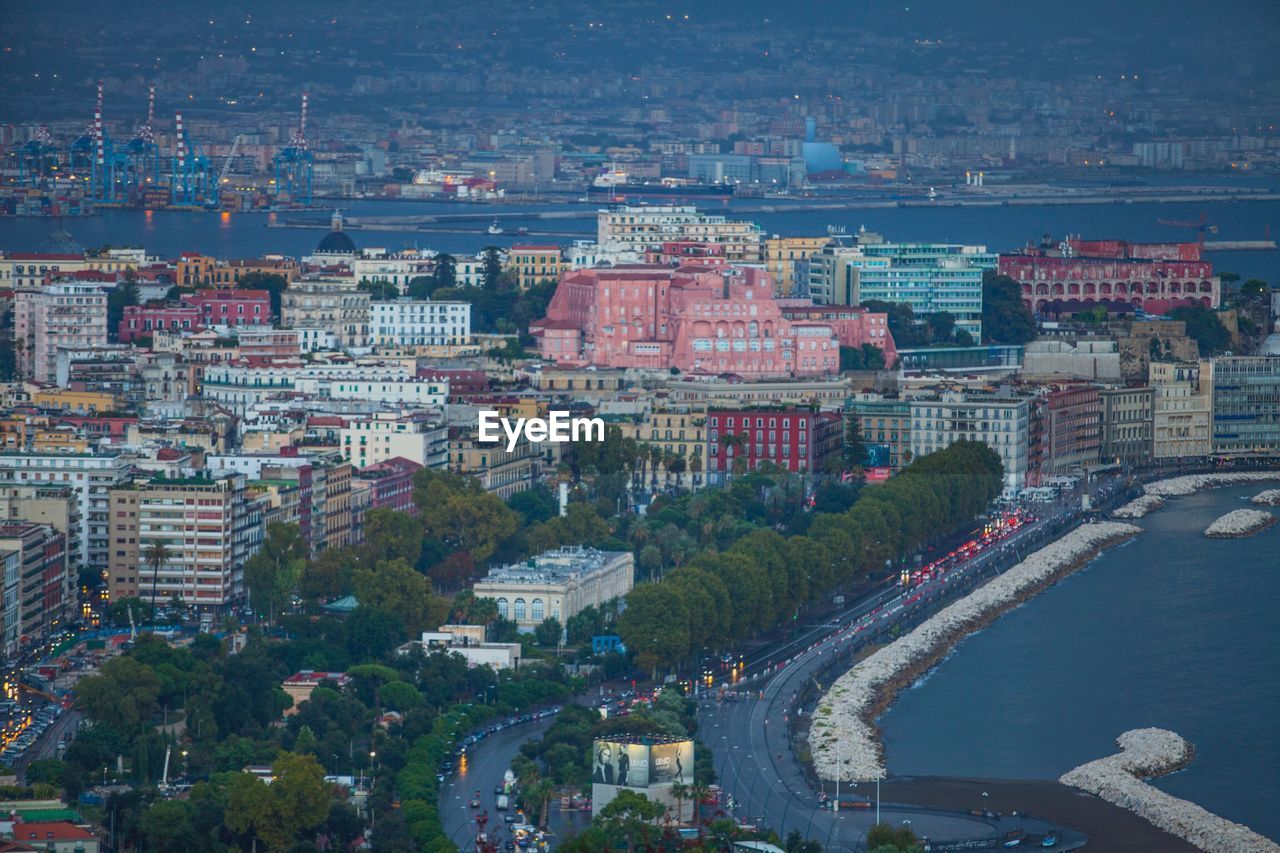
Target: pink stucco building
696	318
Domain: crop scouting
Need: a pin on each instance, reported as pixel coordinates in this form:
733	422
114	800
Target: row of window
536	610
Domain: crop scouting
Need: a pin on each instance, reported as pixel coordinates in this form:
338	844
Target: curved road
751	741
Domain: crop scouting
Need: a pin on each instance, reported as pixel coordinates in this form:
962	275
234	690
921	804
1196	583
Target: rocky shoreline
1271	497
1240	522
843	737
1192	483
1139	507
1146	753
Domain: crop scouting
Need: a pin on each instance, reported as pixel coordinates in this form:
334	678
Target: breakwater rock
1119	779
1271	497
1192	483
1138	507
1240	522
843	738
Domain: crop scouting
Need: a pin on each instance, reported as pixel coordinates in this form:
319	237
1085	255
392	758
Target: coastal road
750	737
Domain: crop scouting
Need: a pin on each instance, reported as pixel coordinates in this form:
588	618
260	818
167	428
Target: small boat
933	194
1050	840
495	228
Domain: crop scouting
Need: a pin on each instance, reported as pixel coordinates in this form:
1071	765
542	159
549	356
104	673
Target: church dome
336	242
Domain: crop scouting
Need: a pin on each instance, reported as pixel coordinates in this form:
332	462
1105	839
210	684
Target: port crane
226	167
1202	225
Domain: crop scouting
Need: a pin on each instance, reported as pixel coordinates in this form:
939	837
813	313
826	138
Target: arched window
537	610
519	609
502	607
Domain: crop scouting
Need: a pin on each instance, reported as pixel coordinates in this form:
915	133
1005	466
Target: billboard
645	768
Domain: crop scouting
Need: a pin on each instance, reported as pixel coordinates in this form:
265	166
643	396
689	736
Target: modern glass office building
1246	405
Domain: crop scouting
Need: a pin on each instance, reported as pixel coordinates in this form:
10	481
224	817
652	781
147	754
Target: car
508	818
497	790
475	804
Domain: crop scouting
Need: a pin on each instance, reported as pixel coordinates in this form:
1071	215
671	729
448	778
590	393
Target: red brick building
1079	275
390	483
232	307
795	440
1073	427
142	320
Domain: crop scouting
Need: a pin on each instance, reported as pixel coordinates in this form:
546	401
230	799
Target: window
537	610
519	609
502	607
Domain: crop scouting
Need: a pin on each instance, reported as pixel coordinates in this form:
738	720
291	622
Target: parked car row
29	732
480	734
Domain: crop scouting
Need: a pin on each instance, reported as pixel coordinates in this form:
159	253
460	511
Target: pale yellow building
1183	409
782	254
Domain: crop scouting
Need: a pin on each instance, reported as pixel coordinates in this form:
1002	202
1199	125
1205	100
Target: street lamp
185	771
984	802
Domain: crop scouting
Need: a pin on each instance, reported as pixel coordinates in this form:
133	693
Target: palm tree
698	793
681	792
156	555
677	466
736	443
655	459
695	466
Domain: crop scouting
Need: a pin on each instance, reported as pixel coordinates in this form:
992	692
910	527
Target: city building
1182	414
1073	427
205	528
500	471
58	316
557	584
1246	405
143	320
90	477
786	259
389	484
300	686
403	392
535	264
930	277
328	305
885	423
43	588
231	307
694	319
420	437
1128	416
793	439
419	322
1000	422
1078	275
467	641
624	232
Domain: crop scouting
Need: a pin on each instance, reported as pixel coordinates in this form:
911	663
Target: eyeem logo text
558	428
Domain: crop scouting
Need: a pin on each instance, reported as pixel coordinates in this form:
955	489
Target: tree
1006	319
379	289
273	283
273	573
156	555
629	818
963	338
446	271
855	451
121	296
492	267
548	632
284	812
884	837
1205	327
1254	287
394	586
655	625
460	514
942	326
123	695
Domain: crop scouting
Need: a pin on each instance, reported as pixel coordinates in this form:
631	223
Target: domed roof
60	242
336	242
1271	346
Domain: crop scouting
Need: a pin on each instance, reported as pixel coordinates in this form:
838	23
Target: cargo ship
614	185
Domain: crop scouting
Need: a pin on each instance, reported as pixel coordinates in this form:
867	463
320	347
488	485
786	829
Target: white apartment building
557	584
331	305
1001	424
64	315
90	477
240	386
398	268
419	437
420	322
625	231
407	392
